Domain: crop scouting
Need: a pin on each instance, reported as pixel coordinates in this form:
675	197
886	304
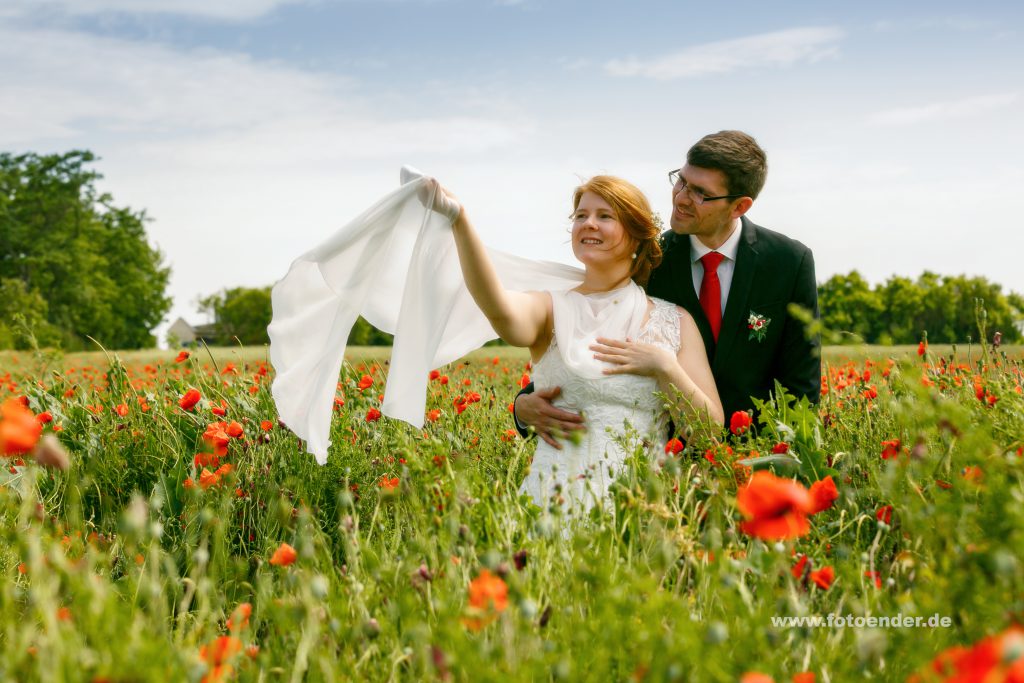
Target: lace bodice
608	405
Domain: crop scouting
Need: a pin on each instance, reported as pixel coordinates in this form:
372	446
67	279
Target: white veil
396	265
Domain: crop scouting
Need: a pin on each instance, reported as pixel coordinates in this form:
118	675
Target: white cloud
780	48
241	164
215	9
943	111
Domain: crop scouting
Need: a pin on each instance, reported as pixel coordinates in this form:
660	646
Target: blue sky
251	130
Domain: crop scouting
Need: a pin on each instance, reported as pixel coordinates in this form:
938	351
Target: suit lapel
739	293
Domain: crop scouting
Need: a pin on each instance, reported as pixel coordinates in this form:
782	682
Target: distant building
181	333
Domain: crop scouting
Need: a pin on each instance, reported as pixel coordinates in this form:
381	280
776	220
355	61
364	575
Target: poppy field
160	524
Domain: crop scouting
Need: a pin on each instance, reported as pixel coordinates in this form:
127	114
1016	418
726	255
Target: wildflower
804	677
488	595
208	478
19	428
780	448
121	409
234	430
221	410
240	617
190	399
266	425
372	415
443	379
756	677
45	417
775	508
995	658
922	348
823	577
798	568
182	357
884	514
876	577
890	449
434	415
388	484
434	374
220	650
365	382
740	422
188	483
524	380
823	494
229	369
283	556
674	447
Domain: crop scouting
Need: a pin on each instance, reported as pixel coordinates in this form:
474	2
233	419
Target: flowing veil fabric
396	265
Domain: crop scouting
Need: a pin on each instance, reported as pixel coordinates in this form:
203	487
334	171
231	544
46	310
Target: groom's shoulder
776	242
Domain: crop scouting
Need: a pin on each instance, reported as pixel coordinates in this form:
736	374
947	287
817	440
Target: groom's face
703	220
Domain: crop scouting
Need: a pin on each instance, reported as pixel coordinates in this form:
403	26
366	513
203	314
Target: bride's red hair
634	212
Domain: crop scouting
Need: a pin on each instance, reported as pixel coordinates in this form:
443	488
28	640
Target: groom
736	279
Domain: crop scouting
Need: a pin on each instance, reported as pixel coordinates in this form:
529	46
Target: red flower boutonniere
758	326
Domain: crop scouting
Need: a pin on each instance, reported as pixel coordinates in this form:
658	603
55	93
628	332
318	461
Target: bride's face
598	237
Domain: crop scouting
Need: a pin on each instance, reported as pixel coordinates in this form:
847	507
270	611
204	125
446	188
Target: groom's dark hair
735	154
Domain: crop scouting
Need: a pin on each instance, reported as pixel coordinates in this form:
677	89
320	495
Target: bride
608	345
593	331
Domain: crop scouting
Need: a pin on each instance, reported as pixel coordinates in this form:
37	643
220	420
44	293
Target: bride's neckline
604	292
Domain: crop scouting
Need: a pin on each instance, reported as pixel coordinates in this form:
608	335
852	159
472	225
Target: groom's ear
741	206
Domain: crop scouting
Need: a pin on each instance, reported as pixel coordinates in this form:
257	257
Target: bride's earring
634	254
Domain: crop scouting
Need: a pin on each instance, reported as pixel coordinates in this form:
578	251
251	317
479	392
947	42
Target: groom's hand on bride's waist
551	423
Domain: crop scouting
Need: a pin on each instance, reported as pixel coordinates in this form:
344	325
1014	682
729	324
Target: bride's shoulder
669	308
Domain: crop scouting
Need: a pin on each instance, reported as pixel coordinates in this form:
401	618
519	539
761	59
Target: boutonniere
758	325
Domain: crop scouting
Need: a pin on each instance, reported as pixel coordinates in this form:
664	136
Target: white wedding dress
621	411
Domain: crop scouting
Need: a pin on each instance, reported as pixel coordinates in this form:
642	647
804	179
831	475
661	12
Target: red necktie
711	291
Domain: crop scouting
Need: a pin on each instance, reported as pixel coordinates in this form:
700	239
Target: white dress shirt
725	269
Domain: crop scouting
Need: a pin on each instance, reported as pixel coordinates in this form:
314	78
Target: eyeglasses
676	178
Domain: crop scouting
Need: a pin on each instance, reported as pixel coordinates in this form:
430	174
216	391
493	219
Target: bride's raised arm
519	318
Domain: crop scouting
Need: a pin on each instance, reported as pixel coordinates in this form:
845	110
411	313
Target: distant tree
848	304
240	313
88	260
900	310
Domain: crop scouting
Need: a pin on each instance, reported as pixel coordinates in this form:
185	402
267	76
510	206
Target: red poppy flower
798	568
190	399
921	348
220	650
775	508
234	430
524	380
434	374
388	484
266	425
823	494
780	448
365	382
890	449
740	422
823	577
240	617
884	514
182	357
434	415
19	428
488	595
372	415
283	556
121	409
674	447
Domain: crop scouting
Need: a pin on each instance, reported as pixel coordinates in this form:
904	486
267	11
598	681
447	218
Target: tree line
75	267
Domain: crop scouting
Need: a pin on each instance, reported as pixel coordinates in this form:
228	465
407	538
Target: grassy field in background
21	362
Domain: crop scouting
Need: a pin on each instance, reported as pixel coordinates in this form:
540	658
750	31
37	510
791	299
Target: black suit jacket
771	272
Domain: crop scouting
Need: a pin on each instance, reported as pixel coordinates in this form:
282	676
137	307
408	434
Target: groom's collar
728	249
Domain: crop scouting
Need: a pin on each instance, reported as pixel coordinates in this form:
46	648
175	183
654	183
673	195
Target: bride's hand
632	358
444	202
